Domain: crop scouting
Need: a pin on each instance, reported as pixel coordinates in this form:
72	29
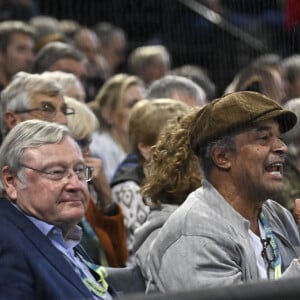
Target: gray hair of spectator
292	137
51	53
291	65
69	27
141	57
27	134
44	25
105	32
199	76
7	28
269	59
147	119
16	96
166	86
66	80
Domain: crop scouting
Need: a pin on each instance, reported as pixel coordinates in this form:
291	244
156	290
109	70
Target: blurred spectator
199	76
21	10
113	44
58	56
88	43
32	96
269	59
291	178
178	88
47	30
112	106
263	79
16	49
149	62
70	84
68	28
291	67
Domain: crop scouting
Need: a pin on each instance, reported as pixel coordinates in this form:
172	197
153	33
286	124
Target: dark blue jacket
31	267
130	169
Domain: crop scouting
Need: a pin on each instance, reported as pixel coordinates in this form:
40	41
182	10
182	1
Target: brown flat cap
234	111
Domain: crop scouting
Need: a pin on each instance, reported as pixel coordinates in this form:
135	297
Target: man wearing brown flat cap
229	231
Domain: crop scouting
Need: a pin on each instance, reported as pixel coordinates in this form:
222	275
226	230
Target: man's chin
275	190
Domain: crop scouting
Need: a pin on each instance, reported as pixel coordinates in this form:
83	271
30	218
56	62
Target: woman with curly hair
172	172
146	121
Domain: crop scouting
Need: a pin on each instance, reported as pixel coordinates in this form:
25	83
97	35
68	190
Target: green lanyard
275	260
98	288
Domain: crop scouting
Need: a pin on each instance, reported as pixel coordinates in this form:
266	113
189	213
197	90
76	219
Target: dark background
190	38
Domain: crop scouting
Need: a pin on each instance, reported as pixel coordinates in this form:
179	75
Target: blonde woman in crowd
112	106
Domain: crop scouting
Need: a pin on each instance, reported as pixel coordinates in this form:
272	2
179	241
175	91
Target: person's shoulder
128	170
277	212
13	225
101	138
274	206
6	208
183	220
128	185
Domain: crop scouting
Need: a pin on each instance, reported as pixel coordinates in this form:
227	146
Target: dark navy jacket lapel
43	244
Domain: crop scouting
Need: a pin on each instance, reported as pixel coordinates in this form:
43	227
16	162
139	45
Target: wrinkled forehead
65	150
53	98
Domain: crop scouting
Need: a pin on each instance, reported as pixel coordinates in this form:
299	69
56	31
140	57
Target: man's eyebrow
262	128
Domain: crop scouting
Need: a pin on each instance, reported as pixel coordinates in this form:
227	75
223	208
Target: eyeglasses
57	173
268	254
49	110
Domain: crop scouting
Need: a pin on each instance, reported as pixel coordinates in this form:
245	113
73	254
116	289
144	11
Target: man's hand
100	181
297	211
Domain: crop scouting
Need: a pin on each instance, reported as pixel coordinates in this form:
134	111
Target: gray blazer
205	243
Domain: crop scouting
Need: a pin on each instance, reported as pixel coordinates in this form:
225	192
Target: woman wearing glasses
32	96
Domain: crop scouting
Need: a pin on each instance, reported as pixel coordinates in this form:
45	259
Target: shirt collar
74	234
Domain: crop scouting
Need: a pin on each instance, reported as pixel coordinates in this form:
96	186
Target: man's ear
11	119
221	158
9	183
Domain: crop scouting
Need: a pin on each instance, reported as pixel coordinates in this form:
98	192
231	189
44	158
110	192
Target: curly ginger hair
173	170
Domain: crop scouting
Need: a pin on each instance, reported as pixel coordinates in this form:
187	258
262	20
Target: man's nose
279	146
72	180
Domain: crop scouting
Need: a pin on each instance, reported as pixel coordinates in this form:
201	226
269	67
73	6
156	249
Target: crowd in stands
154	168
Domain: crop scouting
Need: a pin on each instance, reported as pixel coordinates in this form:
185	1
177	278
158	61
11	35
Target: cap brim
286	119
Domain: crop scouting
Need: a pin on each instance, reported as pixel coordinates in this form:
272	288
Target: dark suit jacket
31	267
